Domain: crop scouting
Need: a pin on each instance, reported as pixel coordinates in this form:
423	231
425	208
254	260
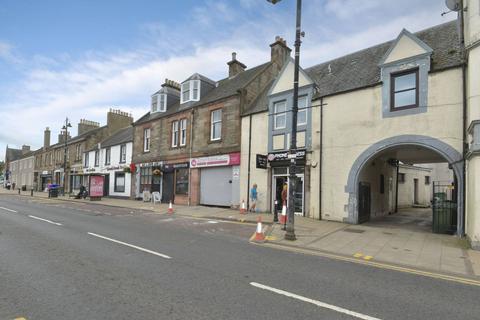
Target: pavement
401	239
84	260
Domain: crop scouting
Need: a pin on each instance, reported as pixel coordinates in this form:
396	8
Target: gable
405	46
284	82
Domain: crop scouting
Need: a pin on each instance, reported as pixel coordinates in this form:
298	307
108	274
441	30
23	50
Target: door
216	186
415	191
168	178
156	180
299	196
106	185
279	182
363	202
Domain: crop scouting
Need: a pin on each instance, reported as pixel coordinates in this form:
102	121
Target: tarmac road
79	261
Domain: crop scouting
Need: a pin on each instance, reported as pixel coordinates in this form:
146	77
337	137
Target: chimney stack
46	138
234	66
25	149
171	84
86	125
280	52
61	137
118	119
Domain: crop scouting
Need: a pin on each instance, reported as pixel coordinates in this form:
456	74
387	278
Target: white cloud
6	53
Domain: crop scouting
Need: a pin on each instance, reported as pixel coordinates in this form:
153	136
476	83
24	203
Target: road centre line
315	302
49	221
130	245
3	208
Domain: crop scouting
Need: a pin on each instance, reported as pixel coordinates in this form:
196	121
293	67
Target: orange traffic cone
259	236
243	210
170	208
283	217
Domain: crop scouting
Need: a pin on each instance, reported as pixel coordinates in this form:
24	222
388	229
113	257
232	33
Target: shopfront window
145	178
181	181
119	182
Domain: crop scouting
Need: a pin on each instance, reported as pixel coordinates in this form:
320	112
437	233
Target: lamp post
290	233
65	138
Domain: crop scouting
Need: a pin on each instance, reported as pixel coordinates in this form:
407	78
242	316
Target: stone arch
452	156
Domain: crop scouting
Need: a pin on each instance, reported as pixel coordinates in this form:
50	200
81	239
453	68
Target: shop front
117	180
45	180
149	178
219	179
175	183
279	166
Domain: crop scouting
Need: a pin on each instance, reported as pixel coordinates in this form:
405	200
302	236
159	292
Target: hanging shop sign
231	159
261	161
285	156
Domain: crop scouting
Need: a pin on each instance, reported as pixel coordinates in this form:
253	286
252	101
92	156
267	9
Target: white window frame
97	158
193	89
175	134
304	110
123	153
86	160
277	114
146	140
162	105
154	103
108	155
183	132
213	123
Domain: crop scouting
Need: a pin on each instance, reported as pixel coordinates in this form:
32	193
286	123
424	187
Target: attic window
404	90
159	102
190	91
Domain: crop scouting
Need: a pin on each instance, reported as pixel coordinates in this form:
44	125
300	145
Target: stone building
21	169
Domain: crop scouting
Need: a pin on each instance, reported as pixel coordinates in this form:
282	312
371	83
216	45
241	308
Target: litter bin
53	190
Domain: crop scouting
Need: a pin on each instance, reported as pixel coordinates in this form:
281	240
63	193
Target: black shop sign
261	161
285	156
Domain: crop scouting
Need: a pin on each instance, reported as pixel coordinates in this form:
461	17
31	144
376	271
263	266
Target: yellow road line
368	257
446	277
358	255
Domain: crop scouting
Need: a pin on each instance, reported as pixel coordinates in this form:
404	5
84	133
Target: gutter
461	232
320	163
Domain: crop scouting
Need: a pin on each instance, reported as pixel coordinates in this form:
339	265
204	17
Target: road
88	261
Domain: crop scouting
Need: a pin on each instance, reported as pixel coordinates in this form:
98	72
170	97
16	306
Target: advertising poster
96	186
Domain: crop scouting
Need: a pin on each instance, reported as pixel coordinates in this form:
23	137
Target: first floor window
302	111
85	163
181	181
183	132
119	182
107	156
216	125
279	115
174	133
404	90
97	159
123	153
146	140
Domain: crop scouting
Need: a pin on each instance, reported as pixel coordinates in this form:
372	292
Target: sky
78	59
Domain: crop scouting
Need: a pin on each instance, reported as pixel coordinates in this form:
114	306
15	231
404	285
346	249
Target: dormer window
159	102
190	91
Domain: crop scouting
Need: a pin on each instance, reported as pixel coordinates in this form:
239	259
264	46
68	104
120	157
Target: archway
404	142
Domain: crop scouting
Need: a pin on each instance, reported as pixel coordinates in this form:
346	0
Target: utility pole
290	230
65	138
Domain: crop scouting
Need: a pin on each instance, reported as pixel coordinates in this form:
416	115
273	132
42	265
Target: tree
2	166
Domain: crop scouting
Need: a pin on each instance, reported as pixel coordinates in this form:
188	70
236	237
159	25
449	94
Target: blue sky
63	58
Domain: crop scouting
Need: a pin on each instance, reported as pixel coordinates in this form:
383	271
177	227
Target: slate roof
122	136
225	88
78	138
360	69
261	102
13	154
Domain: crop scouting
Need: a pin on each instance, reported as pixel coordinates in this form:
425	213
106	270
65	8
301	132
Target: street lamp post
65	138
290	233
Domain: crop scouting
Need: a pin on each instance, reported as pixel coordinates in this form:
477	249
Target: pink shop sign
231	159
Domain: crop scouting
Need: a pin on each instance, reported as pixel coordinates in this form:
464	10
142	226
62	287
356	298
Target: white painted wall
406	189
22	172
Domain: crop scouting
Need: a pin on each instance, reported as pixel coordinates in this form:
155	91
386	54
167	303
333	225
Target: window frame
194	86
123	153
146	140
97	158
213	123
175	133
162	106
86	160
116	187
108	154
427	180
182	132
397	74
154	102
279	114
401	177
302	110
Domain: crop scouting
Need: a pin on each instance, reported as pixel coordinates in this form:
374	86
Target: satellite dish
453	5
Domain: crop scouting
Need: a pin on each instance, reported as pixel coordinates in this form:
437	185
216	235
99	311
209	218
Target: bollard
18	190
31	192
275	212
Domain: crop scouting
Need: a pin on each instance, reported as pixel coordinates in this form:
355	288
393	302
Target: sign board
170	167
261	161
285	155
231	159
96	186
236	173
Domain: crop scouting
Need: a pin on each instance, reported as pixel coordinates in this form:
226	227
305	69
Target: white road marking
211	221
41	219
315	302
8	209
130	245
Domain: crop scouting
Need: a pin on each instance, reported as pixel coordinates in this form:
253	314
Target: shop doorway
168	195
106	185
280	177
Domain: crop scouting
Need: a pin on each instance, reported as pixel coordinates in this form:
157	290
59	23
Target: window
145	178
190	91
382	184
427	179
401	177
404	90
162	102
146	140
181	181
107	156
183	132
174	133
123	153
154	103
216	125
279	115
302	111
85	163
97	158
119	182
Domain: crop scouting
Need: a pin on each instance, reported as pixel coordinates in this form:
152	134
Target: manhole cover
354	230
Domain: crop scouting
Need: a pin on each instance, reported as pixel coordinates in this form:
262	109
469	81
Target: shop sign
91	170
236	173
96	186
44	173
150	164
118	167
285	155
231	159
261	161
172	166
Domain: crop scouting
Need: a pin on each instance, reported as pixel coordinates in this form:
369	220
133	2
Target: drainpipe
192	114
461	232
396	189
320	163
249	158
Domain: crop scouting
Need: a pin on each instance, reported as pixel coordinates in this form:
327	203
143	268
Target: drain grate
354	230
